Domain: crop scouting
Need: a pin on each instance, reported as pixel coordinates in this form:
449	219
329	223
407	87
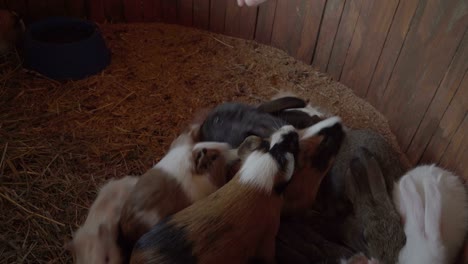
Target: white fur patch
259	170
289	166
315	129
310	110
277	137
179	164
223	147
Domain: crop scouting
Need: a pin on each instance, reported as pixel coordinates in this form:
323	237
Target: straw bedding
60	141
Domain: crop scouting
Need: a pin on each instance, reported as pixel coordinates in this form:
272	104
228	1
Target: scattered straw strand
30	212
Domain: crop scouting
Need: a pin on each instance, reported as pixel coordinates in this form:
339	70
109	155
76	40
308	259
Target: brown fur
157	192
233	224
304	185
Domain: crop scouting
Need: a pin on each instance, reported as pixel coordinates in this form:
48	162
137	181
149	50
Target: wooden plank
286	25
76	8
152	10
422	65
56	7
391	51
169	11
184	12
217	15
96	11
37	10
328	29
265	19
247	22
201	13
240	21
343	38
133	10
311	26
448	125
113	10
457	150
366	45
296	27
441	101
19	6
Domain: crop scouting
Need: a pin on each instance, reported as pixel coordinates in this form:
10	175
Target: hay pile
60	141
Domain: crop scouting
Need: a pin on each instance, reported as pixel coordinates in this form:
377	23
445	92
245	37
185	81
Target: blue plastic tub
65	48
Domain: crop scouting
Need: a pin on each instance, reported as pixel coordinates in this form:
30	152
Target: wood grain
424	59
448	125
152	10
311	26
343	38
76	8
169	11
133	11
184	12
19	6
96	11
56	8
443	97
113	10
201	14
217	15
37	10
265	20
455	155
286	25
240	21
330	22
391	51
366	45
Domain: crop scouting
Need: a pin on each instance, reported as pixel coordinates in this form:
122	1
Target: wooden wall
409	58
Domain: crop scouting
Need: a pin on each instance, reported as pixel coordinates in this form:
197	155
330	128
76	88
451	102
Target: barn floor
60	141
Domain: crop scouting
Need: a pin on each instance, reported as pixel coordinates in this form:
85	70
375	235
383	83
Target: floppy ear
333	135
360	177
433	209
350	186
413	204
250	144
375	176
277	105
206	153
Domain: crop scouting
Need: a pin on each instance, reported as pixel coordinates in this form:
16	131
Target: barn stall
397	67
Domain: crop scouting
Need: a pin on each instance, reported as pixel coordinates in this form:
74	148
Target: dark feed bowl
65	48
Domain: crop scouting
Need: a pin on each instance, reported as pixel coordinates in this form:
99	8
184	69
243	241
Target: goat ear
433	208
413	203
